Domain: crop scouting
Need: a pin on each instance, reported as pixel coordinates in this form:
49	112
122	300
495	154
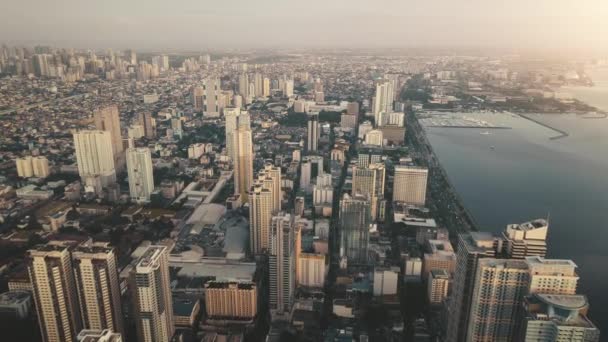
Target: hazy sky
204	24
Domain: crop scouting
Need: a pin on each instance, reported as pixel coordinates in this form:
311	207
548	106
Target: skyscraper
198	95
24	167
270	176
282	265
151	293
258	83
354	220
108	119
383	101
96	276
313	133
266	87
472	247
95	158
140	172
369	181
235	118
244	85
243	162
212	93
499	287
410	184
526	239
40	166
260	216
52	277
146	120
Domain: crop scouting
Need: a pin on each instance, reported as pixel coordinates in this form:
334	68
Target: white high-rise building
212	100
54	289
96	273
244	86
270	176
24	167
410	184
151	293
95	335
305	175
260	216
95	158
313	133
140	171
266	87
40	166
383	101
288	91
282	266
108	119
243	162
235	118
499	288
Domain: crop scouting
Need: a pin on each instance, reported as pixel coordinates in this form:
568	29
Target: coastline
454	214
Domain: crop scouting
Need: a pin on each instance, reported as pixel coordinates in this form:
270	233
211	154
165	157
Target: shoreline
437	172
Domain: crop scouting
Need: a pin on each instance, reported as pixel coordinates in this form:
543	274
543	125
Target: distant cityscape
268	197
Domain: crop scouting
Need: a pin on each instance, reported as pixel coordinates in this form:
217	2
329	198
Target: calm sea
512	176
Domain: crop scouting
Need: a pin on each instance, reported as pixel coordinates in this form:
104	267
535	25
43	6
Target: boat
485	133
492	147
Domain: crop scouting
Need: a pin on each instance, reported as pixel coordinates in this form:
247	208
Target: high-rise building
243	162
354	220
556	318
410	184
369	182
374	138
266	87
198	95
260	216
440	256
282	265
140	172
244	85
270	176
552	276
146	120
231	300
313	133
438	285
288	88
311	270
211	99
95	159
526	239
52	276
383	101
472	247
108	119
258	84
40	166
499	287
24	167
235	118
151	293
96	273
352	108
305	175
